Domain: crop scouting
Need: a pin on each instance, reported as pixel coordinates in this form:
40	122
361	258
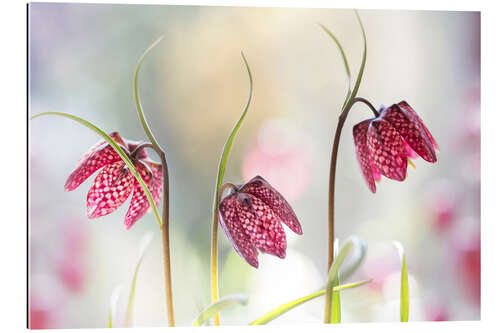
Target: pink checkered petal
410	152
157	184
266	232
139	204
359	133
111	188
411	128
98	156
409	110
376	174
387	150
230	211
260	188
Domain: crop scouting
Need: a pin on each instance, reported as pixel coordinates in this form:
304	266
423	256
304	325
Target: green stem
214	285
166	197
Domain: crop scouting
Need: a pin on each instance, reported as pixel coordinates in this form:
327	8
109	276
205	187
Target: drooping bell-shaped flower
251	217
114	184
385	143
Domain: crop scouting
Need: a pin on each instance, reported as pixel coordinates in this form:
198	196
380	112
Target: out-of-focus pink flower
114	184
39	316
442	204
71	264
251	218
386	142
469	267
280	158
437	312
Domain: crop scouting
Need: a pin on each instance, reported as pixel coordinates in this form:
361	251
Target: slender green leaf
218	306
335	317
145	242
332	275
113	301
363	61
137	100
359	254
404	306
117	148
346	64
282	309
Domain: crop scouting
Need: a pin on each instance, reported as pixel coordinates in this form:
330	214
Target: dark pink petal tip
359	132
387	150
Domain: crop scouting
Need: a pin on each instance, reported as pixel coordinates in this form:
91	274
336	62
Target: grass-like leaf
145	242
346	64
218	306
282	309
404	306
117	148
363	61
220	177
137	100
113	302
359	254
332	276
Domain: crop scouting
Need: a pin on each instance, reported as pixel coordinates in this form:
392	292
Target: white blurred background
193	87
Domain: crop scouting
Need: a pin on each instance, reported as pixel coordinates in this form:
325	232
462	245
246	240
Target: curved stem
166	199
165	237
365	101
141	147
214	281
331	188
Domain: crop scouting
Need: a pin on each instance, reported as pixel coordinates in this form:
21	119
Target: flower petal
267	233
413	130
359	132
157	184
99	155
387	150
404	106
260	188
111	188
139	204
229	218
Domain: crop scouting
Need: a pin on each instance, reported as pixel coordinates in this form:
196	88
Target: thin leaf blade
332	275
346	63
363	61
282	309
118	150
404	307
221	304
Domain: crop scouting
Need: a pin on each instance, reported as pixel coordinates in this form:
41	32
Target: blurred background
193	88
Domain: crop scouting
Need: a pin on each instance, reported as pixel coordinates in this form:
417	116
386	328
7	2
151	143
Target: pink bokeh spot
279	157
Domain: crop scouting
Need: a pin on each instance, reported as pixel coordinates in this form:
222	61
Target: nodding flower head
385	143
114	184
251	217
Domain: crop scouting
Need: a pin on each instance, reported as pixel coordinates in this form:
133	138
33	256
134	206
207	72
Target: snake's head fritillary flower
385	143
115	182
251	217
